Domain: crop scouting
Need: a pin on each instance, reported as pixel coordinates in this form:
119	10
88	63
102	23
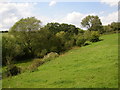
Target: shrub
50	56
53	48
80	41
36	63
69	44
54	44
94	36
42	53
62	36
12	70
87	43
87	35
10	49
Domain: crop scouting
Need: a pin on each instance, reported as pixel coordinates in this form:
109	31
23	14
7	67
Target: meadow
91	66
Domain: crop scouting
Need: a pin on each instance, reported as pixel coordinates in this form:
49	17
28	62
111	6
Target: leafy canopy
92	23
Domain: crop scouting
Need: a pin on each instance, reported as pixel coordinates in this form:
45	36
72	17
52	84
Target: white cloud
101	13
52	3
110	2
1	26
44	19
112	17
12	12
74	18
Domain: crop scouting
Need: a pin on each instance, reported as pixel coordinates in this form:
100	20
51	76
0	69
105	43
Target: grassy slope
92	66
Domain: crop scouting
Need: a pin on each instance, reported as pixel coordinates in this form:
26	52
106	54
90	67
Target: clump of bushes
50	56
80	41
42	53
36	63
12	70
69	44
88	36
10	49
94	36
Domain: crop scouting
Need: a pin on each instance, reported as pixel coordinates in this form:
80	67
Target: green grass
92	66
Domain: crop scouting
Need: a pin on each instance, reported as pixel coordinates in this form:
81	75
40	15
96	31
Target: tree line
27	38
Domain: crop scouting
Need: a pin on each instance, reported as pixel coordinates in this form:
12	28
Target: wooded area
27	39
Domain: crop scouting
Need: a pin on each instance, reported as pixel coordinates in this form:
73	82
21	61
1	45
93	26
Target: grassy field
92	66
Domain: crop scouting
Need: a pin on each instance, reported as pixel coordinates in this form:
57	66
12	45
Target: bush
87	43
80	41
42	53
87	35
10	49
69	44
50	56
36	63
94	36
12	70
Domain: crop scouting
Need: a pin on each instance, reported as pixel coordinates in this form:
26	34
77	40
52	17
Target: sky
71	12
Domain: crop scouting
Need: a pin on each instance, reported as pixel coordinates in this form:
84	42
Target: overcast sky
56	11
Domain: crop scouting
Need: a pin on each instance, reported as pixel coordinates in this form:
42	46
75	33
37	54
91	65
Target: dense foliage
92	23
28	39
112	28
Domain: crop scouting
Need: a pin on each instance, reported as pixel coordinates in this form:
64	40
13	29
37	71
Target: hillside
91	66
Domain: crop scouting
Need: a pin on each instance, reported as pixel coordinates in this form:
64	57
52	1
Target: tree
111	28
24	31
45	42
92	23
115	26
26	25
80	40
56	27
10	49
107	29
71	29
52	27
62	39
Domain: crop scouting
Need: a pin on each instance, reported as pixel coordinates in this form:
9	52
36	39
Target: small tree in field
92	23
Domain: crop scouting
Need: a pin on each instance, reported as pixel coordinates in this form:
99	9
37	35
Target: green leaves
56	27
92	23
26	25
